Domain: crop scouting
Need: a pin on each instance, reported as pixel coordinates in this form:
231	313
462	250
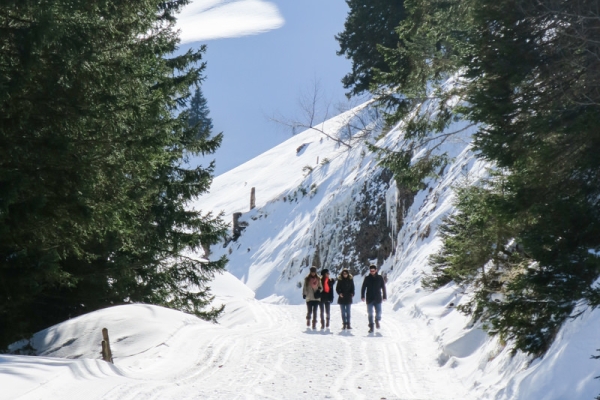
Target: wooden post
252	198
106	352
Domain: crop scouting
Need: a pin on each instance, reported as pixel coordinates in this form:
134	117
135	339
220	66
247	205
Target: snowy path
264	351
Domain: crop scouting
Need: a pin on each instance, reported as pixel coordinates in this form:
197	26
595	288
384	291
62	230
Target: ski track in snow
275	355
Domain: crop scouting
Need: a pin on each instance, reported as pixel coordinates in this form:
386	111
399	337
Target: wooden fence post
252	198
106	352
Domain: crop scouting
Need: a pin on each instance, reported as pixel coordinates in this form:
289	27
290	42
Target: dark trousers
311	308
325	307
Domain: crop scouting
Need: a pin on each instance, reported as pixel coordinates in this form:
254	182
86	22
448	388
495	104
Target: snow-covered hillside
317	201
274	252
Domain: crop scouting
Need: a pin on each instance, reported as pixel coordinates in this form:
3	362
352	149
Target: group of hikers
318	293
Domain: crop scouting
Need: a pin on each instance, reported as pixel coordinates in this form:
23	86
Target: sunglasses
373	269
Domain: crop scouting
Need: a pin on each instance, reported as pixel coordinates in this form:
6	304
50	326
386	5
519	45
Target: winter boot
344	327
348	326
322	325
377	325
327	323
370	328
314	325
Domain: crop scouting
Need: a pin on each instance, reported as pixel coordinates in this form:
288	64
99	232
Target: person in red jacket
326	297
373	291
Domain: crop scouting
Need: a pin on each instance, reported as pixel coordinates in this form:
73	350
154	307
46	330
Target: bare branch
315	112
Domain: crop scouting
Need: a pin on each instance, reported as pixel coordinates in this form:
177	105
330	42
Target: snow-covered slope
276	249
317	201
274	172
307	193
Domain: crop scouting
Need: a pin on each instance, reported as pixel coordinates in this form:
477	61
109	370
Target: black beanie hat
313	269
325	271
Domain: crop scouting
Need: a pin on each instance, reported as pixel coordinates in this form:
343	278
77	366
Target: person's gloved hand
304	296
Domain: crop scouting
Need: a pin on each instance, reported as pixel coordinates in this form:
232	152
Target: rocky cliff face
360	232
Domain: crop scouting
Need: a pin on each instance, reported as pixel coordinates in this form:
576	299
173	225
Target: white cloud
216	19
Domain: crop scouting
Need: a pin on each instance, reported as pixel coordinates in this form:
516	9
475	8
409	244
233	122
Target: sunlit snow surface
258	351
262	349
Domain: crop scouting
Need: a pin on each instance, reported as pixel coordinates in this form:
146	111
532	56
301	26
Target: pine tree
93	188
476	239
198	114
414	88
369	24
536	96
527	73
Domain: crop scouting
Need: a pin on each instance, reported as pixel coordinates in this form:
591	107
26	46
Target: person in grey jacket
373	291
311	292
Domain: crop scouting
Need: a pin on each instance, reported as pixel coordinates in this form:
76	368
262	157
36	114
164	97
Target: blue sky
264	56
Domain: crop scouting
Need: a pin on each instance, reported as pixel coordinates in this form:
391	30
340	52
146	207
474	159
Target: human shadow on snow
318	331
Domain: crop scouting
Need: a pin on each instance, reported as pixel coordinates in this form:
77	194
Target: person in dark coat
311	292
326	298
373	292
345	291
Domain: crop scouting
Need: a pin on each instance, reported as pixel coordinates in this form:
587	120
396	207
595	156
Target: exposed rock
363	236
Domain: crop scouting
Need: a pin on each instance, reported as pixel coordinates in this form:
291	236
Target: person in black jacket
374	287
326	297
345	291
